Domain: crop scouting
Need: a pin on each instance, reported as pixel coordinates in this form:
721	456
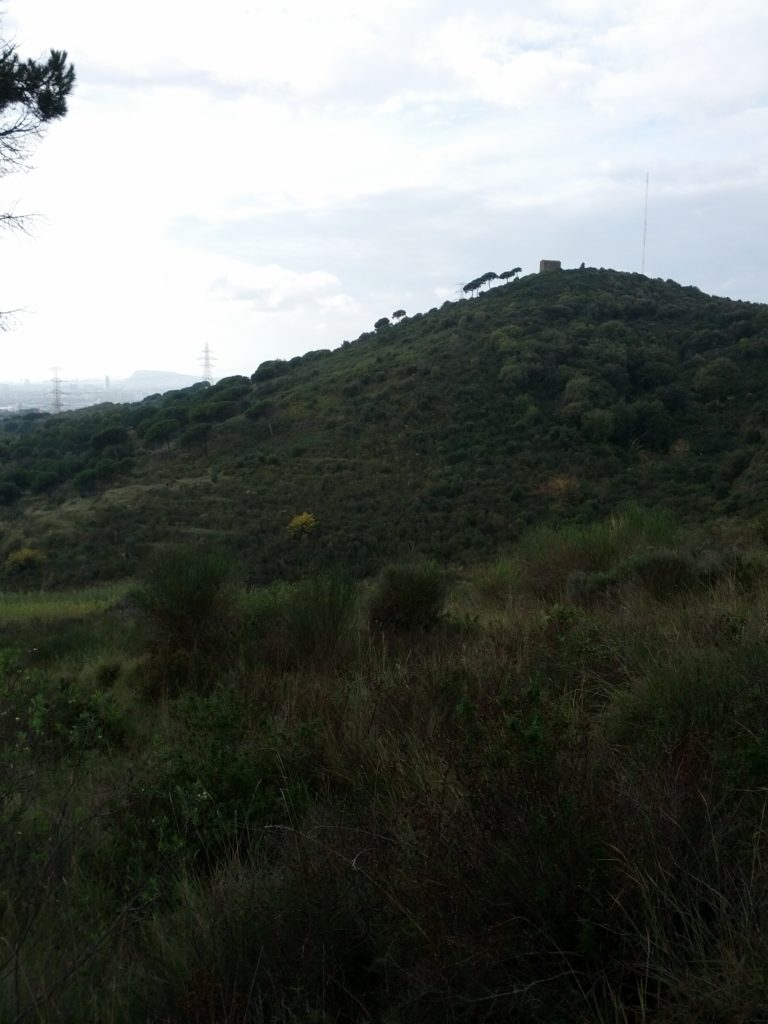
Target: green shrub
408	596
588	587
636	525
687	691
9	493
761	527
744	570
548	556
310	621
49	718
194	795
191	611
497	581
86	481
661	572
319	616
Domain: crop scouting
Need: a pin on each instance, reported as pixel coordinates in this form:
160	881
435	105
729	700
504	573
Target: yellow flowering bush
302	524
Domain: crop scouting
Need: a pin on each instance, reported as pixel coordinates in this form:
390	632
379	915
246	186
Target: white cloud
510	63
299	44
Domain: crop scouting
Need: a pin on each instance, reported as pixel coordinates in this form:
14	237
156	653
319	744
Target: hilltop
557	396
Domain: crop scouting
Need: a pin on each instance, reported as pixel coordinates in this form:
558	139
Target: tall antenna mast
56	389
645	221
207	360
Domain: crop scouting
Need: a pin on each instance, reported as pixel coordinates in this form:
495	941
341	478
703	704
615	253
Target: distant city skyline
270	179
104	380
58	393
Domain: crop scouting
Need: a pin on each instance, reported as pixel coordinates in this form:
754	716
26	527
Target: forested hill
556	396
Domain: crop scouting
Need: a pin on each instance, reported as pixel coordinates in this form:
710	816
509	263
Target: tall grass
557	815
309	622
548	555
190	607
25	606
408	596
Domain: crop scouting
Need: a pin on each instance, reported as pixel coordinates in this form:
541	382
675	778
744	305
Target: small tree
382	324
398	314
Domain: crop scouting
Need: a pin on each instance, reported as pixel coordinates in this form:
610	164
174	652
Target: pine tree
32	93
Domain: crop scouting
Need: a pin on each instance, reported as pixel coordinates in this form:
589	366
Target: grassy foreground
51	606
532	791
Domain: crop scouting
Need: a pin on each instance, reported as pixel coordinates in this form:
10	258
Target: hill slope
556	396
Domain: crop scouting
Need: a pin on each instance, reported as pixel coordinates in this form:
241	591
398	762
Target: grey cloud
402	247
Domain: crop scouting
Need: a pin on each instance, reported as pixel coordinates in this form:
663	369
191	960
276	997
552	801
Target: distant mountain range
158	380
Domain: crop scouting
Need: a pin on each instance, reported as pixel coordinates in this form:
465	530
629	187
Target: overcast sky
271	178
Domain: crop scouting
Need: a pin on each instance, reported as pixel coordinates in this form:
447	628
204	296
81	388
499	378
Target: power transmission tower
56	389
207	360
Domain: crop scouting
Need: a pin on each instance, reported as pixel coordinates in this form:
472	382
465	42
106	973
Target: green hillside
555	397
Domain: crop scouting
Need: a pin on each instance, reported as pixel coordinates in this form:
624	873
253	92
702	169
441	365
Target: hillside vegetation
555	397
